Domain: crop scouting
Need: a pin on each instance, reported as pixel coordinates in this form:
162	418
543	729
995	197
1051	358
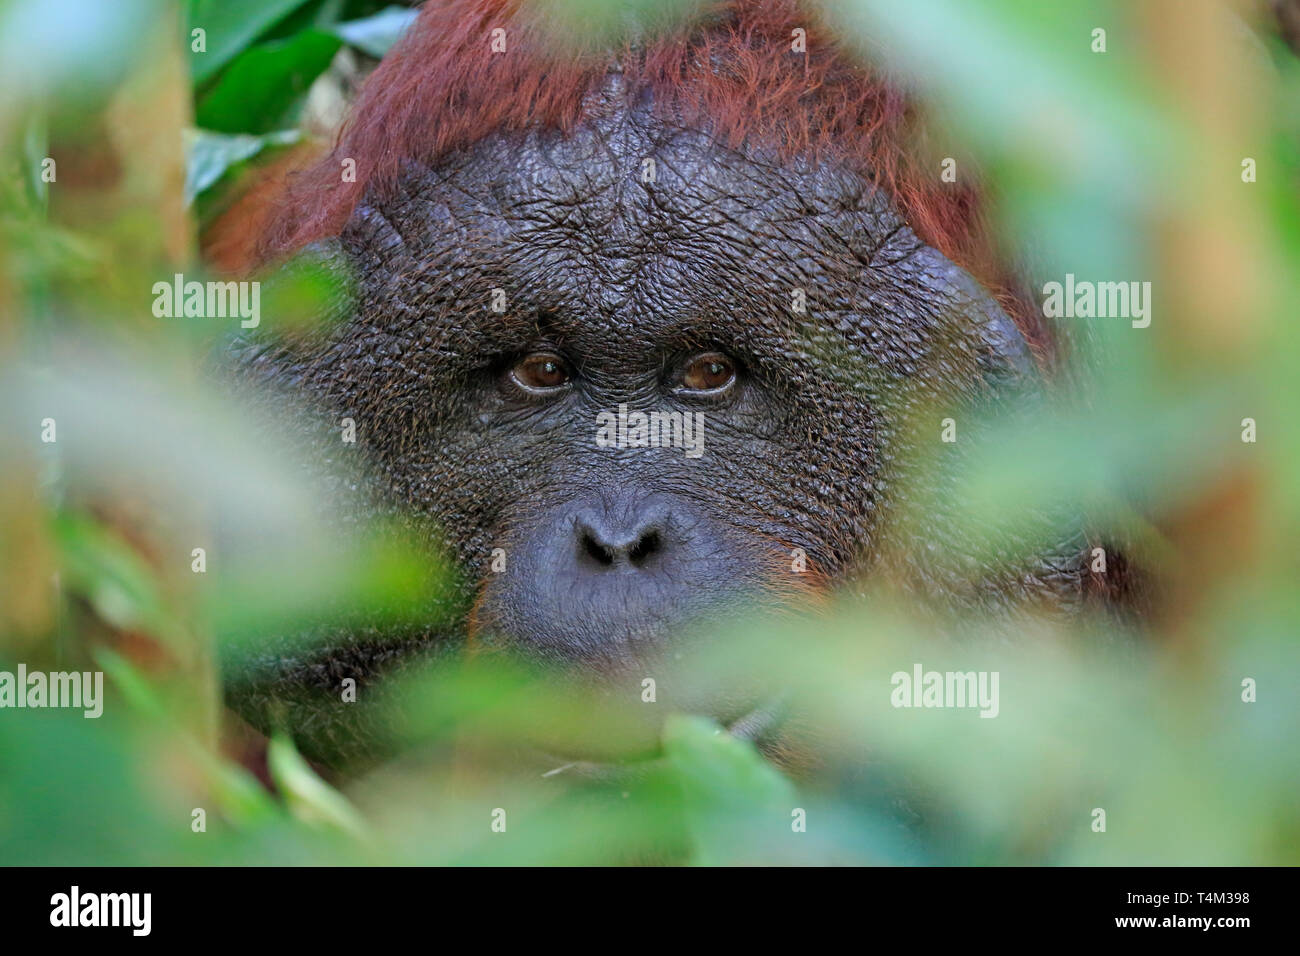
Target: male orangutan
720	225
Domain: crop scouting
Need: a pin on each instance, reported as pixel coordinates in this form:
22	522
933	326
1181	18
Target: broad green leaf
265	87
229	27
734	799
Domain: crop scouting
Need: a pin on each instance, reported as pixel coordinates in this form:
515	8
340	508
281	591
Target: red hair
730	70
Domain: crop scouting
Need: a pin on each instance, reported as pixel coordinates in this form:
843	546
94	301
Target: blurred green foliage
1100	166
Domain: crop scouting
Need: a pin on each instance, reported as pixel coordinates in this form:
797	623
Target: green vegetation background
1119	165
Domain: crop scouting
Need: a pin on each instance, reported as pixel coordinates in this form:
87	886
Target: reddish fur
231	242
441	89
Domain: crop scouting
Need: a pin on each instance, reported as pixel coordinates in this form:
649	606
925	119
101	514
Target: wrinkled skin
609	552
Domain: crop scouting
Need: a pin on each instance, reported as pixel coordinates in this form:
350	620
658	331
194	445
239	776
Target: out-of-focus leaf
240	796
131	684
230	26
577	25
310	798
113	578
717	765
75	48
51	762
1078	134
734	799
376	34
264	88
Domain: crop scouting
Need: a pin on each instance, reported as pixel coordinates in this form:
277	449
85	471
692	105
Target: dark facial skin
671	296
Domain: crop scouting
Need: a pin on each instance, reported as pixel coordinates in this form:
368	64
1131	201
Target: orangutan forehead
571	232
632	161
624	192
631	144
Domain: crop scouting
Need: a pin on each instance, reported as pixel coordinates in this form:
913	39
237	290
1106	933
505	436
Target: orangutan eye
708	372
540	372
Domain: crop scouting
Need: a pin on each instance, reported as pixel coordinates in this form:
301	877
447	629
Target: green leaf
131	684
229	27
265	87
376	34
310	798
717	767
735	801
240	796
115	580
211	155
